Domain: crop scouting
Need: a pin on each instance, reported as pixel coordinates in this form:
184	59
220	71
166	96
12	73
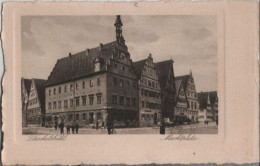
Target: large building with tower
97	84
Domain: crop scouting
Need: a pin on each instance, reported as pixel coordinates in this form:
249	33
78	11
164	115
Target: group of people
109	126
74	128
206	122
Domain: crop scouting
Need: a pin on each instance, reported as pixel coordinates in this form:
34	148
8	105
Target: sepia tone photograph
119	74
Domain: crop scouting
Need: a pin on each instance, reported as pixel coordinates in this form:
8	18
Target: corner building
97	84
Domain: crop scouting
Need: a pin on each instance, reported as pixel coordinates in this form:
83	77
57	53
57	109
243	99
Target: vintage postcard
127	83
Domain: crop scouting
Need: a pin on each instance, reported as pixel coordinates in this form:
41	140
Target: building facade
95	85
208	104
168	89
25	92
180	114
149	92
36	103
214	104
191	93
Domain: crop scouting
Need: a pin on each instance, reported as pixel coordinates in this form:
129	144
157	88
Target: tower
118	24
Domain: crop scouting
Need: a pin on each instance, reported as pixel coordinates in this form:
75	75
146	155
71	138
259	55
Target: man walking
77	128
61	128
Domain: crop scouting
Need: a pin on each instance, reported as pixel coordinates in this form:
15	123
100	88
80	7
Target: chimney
70	55
100	46
87	52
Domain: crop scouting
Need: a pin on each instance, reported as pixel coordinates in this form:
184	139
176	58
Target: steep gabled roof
178	85
163	69
40	87
27	85
80	64
203	99
184	78
139	66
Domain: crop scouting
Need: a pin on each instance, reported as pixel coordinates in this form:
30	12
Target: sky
191	41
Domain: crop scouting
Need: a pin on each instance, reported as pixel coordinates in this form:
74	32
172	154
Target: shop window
77	116
84	116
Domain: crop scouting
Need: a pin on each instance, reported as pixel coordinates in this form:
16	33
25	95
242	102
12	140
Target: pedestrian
205	122
72	128
109	128
61	125
55	125
113	130
162	128
97	125
77	128
102	125
68	128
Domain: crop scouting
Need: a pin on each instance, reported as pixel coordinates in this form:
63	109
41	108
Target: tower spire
118	24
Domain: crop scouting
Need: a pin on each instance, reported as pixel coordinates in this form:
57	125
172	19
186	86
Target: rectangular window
90	83
54	105
59	89
77	116
143	103
49	92
142	92
84	100
149	83
77	101
71	103
128	101
115	81
49	105
121	100
121	83
65	88
115	65
71	87
84	116
83	84
152	84
91	99
99	81
59	104
99	99
77	86
114	99
65	103
54	91
133	102
127	84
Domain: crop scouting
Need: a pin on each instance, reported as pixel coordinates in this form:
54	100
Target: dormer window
97	66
